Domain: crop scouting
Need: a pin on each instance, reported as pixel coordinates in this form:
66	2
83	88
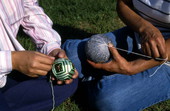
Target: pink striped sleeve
39	26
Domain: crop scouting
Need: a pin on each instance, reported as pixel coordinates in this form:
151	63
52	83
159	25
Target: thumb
61	54
114	52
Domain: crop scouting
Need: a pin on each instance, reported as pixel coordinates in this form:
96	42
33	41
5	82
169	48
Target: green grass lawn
80	19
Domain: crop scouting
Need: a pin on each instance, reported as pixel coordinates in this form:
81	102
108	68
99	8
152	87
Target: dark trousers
22	93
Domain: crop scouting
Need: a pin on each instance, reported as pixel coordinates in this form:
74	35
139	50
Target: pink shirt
35	23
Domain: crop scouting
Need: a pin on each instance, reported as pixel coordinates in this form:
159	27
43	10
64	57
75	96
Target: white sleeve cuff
5	62
5	66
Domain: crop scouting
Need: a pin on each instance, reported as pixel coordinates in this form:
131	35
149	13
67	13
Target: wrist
13	56
131	69
144	27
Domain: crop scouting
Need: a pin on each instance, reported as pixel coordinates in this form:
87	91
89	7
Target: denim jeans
117	92
23	93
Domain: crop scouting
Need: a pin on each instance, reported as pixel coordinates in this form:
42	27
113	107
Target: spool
63	69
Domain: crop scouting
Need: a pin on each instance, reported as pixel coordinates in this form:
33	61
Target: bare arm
140	64
152	41
122	66
153	44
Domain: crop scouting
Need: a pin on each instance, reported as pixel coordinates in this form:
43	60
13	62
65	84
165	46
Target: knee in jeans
74	85
110	102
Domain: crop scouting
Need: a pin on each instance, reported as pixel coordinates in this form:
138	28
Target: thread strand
142	55
52	93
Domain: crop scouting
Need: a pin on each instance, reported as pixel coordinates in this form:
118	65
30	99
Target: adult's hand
118	64
152	41
59	53
32	63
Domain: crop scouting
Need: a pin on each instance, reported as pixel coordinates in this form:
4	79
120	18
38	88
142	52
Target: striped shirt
155	11
35	23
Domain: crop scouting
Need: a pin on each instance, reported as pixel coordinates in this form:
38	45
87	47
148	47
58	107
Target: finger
45	56
44	67
68	81
32	75
46	60
62	54
147	50
154	50
143	47
40	72
75	74
95	65
162	51
58	53
59	82
114	52
52	78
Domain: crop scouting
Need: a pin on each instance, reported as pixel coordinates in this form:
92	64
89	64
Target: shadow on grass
67	32
81	99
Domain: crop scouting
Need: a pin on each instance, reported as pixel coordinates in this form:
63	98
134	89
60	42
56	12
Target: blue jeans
117	92
22	93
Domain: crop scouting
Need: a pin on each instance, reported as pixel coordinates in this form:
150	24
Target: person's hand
152	42
118	64
59	53
31	63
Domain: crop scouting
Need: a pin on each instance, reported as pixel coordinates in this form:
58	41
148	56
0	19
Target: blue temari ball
97	50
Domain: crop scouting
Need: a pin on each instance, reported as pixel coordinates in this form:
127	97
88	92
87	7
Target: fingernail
110	45
61	55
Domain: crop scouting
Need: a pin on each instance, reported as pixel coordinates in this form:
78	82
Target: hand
59	53
153	43
118	64
32	63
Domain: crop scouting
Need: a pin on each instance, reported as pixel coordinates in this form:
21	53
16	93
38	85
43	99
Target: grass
80	19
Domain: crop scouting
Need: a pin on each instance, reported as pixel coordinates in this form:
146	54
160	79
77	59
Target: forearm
130	17
142	64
